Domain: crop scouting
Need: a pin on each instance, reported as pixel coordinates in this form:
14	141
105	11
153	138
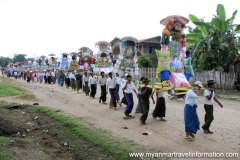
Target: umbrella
52	55
73	53
174	18
102	43
129	39
84	49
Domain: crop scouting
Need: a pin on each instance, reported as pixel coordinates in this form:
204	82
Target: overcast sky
41	27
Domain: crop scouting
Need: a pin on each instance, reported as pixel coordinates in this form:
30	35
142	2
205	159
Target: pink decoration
178	80
163	48
183	53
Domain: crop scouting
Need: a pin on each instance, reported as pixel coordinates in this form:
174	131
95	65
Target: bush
144	62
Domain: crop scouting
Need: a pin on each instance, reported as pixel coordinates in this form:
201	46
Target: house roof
153	40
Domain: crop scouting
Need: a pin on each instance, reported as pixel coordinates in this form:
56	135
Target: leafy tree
144	62
19	58
4	61
214	44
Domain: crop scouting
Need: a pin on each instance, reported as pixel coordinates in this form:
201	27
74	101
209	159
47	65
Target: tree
4	61
214	44
144	62
19	58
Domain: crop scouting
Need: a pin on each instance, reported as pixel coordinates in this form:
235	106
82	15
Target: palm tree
214	44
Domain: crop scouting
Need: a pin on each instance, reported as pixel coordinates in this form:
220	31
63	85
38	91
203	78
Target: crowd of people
88	83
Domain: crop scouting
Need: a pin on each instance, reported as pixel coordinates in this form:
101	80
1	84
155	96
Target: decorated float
64	61
172	56
127	57
74	61
86	59
103	60
52	61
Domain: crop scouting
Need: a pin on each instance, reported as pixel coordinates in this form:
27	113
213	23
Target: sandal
189	138
191	135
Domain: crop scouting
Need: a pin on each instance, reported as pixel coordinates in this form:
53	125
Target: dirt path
166	136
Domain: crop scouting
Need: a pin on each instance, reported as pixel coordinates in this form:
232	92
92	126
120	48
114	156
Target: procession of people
111	83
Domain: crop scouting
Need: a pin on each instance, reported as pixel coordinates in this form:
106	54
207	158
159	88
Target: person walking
73	80
111	84
146	93
191	120
129	88
102	82
188	70
67	79
53	76
160	108
93	85
49	77
85	82
79	80
118	84
138	109
61	77
209	96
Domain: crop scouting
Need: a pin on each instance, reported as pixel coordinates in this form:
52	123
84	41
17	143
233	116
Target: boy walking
129	88
208	106
146	92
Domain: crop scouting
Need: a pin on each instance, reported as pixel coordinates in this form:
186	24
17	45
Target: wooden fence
223	80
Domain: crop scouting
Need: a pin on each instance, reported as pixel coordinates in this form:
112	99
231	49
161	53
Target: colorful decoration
64	62
127	60
73	64
103	59
188	72
163	61
85	57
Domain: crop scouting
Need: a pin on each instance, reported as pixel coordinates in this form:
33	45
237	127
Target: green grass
115	148
4	155
8	90
9	87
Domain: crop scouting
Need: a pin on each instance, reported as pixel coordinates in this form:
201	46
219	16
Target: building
148	47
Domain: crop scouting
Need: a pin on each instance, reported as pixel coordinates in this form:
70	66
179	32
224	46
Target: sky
43	27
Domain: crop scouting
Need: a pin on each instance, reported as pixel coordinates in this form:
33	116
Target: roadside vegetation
40	129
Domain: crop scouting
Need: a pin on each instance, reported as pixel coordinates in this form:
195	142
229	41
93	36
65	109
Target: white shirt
160	94
53	74
191	98
72	76
92	80
206	100
15	73
102	81
118	80
130	87
111	83
123	82
85	79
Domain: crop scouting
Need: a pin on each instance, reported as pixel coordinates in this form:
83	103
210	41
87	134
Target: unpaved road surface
166	136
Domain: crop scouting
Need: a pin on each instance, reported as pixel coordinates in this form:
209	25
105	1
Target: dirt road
166	136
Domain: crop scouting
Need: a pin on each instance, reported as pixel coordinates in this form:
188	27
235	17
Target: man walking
129	88
111	84
118	84
208	105
102	82
92	85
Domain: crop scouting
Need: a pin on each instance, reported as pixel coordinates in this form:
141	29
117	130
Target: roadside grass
9	87
7	90
95	140
4	154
